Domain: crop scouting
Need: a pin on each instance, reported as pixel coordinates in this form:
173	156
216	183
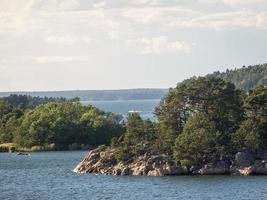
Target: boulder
246	171
260	167
140	169
155	172
126	171
218	168
244	159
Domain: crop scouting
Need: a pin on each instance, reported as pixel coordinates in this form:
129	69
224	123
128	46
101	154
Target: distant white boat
134	111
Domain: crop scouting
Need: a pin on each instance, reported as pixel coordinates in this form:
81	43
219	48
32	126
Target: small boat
22	154
134	111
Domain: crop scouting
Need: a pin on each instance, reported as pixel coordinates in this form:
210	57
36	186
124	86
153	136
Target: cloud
61	40
57	17
224	21
59	59
160	45
149	2
236	3
69	5
70	40
181	18
158	14
100	4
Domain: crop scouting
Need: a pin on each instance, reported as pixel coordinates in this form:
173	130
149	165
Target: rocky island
243	163
205	127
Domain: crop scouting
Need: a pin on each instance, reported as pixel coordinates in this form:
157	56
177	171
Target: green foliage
252	133
123	154
245	78
9	121
66	124
138	139
29	102
212	96
198	141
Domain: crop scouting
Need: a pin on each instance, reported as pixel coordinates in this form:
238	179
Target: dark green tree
252	133
198	141
218	99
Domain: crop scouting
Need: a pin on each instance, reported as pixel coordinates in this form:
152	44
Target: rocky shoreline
242	163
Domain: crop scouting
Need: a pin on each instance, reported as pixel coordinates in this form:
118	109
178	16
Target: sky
115	44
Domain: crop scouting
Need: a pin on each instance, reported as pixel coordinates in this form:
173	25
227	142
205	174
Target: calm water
145	107
49	176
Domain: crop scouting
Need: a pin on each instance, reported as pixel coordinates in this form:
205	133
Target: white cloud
69	4
237	3
17	6
149	2
158	14
58	17
177	17
100	4
70	40
159	45
61	40
222	21
59	59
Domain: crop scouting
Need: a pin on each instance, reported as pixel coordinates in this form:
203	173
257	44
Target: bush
110	159
122	154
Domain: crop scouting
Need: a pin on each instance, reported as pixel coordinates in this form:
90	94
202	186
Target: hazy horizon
59	45
138	88
67	90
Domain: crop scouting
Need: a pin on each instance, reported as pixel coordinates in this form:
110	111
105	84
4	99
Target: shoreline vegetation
204	126
28	124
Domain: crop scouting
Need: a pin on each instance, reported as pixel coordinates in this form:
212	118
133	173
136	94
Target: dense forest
246	77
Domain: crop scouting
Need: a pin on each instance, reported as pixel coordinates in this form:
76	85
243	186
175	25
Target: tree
198	141
214	97
9	121
252	133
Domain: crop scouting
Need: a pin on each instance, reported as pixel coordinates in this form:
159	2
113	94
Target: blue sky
112	44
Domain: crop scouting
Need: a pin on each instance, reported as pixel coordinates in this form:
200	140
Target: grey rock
244	159
260	167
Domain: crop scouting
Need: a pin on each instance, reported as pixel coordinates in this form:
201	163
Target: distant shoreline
98	95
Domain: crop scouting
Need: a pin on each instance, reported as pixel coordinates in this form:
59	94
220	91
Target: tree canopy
57	123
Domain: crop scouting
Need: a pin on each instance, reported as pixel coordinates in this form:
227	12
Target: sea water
49	176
